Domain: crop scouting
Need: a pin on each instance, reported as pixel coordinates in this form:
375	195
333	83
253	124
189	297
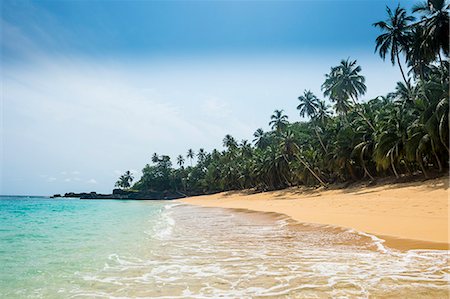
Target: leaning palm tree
279	121
397	34
363	151
290	149
190	155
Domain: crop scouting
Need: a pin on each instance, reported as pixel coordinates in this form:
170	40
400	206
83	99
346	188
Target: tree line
404	132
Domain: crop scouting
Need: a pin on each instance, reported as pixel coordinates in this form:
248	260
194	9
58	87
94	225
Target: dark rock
129	194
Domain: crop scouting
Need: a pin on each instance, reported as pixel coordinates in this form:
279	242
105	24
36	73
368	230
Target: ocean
71	248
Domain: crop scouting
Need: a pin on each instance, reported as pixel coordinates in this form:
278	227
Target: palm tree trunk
344	118
407	167
311	171
350	170
366	171
436	156
401	69
320	140
440	61
441	135
442	67
419	159
362	114
438	161
393	164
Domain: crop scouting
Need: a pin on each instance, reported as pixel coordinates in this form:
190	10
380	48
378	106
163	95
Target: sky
90	89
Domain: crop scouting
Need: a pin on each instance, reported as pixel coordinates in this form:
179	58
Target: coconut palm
201	155
309	104
180	160
259	138
345	82
190	155
279	121
436	23
323	113
396	37
229	142
419	56
125	180
290	149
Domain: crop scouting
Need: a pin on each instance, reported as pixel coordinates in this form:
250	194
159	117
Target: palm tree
391	139
229	142
278	121
397	34
290	148
345	82
436	23
246	149
180	160
309	104
323	114
125	180
190	155
418	55
363	150
201	155
259	138
342	104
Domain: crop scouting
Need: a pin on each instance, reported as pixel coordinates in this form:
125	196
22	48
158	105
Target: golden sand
406	215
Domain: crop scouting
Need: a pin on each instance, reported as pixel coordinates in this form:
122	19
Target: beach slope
406	215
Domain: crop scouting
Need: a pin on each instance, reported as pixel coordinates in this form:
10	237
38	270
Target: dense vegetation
403	132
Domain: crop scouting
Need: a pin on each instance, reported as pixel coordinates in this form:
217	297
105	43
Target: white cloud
92	181
51	179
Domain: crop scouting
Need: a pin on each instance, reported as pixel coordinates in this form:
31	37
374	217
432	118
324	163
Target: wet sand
406	215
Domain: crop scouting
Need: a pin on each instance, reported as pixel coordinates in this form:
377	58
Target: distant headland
124	194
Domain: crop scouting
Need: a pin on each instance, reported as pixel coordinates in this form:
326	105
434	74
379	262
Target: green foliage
125	180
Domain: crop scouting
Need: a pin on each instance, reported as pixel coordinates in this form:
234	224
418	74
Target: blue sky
93	88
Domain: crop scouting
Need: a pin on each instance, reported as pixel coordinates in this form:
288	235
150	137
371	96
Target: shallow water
101	249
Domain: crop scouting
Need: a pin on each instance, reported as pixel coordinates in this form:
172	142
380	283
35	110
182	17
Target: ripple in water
193	252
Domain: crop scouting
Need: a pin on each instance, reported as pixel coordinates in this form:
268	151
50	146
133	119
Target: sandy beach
406	215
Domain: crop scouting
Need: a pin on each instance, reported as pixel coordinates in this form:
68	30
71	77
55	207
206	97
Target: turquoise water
46	244
70	248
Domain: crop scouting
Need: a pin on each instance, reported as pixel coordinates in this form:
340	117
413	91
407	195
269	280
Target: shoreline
411	215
